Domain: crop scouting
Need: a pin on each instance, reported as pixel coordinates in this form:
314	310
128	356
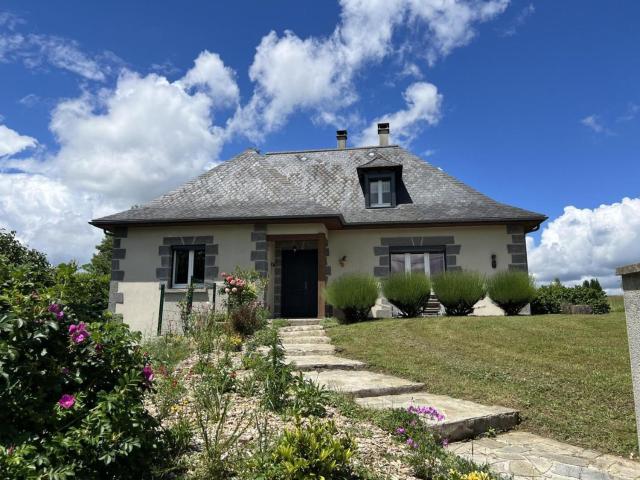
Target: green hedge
408	292
354	294
511	290
551	298
458	292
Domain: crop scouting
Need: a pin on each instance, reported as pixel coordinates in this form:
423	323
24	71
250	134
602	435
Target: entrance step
301	328
309	349
302	333
463	419
362	383
305	363
304	339
303	321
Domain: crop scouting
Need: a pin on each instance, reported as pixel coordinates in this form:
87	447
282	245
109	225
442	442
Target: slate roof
321	184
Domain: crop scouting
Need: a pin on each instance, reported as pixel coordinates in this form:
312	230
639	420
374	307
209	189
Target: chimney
383	134
341	135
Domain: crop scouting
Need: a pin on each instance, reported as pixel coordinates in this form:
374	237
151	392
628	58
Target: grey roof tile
320	183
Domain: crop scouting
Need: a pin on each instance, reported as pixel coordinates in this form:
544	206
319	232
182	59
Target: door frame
322	260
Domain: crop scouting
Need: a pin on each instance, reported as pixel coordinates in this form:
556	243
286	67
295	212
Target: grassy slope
569	375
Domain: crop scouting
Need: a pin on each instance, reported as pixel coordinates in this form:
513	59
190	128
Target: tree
100	263
594	284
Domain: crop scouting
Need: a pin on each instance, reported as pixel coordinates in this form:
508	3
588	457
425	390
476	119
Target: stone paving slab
304	339
362	383
303	333
303	321
323	362
528	456
308	349
301	328
463	419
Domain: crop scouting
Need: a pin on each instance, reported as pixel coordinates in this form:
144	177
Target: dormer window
381	191
379	178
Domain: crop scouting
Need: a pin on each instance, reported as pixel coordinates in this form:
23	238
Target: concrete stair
286	340
297	322
362	383
463	419
298	349
301	328
305	363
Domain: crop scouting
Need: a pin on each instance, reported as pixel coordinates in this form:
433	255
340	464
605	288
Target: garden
84	397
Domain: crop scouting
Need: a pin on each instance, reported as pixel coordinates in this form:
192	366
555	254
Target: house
302	219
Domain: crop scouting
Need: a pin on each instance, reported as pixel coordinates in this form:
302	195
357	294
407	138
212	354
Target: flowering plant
242	287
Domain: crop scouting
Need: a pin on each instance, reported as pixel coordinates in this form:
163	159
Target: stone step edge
326	365
382	391
473	427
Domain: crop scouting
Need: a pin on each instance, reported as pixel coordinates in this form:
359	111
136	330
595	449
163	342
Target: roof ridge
331	149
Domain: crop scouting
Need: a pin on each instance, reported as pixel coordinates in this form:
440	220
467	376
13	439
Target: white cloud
50	216
317	74
36	51
137	141
586	243
594	123
210	71
519	20
423	107
11	142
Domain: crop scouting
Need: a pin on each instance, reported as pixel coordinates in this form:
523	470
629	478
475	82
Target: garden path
520	454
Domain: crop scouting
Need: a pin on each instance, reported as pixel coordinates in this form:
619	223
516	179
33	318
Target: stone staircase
309	348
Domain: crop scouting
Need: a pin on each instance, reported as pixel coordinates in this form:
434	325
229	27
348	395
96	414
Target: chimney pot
383	134
341	136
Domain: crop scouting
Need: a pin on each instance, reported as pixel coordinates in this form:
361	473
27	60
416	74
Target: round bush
409	293
511	290
353	294
459	291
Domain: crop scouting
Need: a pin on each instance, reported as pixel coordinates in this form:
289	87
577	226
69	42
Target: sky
105	105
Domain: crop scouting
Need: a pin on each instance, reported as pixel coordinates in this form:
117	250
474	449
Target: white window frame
174	284
379	194
407	263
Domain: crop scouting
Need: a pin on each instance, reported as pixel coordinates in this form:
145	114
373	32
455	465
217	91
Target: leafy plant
459	291
312	451
308	398
354	294
511	290
247	318
409	292
553	297
242	287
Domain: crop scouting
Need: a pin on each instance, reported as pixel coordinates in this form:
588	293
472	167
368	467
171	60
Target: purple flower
66	401
425	411
147	371
400	431
56	309
412	443
65	370
78	332
445	442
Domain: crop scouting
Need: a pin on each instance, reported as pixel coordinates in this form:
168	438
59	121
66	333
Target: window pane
198	266
386	198
181	267
374	198
386	186
417	262
436	263
397	262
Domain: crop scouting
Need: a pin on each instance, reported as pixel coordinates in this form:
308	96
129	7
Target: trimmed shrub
408	292
556	298
354	294
459	291
511	290
247	318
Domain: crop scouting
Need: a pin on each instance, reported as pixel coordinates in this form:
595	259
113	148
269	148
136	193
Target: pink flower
227	290
56	309
400	431
223	275
78	332
229	278
234	289
147	371
66	401
232	282
412	443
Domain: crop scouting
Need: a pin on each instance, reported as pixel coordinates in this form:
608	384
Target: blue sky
536	104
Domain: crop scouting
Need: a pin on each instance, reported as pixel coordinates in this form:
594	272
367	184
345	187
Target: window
381	191
188	264
429	263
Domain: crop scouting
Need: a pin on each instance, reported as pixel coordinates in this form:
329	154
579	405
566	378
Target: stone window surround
165	252
517	248
452	250
118	252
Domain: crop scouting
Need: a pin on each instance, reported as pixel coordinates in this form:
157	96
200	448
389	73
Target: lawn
568	375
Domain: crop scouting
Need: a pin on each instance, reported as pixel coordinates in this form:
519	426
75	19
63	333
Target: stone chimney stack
341	135
383	134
